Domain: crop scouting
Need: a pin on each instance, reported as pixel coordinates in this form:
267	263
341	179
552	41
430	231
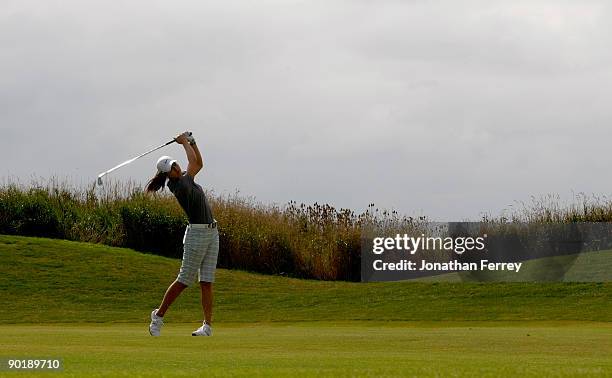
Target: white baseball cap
164	164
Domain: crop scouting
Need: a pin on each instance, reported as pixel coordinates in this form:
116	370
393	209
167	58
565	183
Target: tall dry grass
313	241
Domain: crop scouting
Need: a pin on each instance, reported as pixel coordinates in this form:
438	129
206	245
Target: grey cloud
445	107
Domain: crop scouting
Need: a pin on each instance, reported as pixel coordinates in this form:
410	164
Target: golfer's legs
192	258
194	248
174	290
207	270
207	300
208	266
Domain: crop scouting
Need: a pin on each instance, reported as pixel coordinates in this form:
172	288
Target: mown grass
46	280
88	304
367	349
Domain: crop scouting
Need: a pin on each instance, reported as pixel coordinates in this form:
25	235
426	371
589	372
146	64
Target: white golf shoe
156	323
204	330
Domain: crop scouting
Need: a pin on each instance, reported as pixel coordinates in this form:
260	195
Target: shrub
148	227
28	213
311	241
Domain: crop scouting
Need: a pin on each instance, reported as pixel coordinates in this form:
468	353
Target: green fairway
322	349
89	304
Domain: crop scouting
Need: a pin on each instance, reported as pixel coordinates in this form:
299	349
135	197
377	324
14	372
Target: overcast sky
443	108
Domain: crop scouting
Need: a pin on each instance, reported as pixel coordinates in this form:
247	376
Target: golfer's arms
195	163
198	156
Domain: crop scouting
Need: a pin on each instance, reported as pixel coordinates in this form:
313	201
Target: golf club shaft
135	158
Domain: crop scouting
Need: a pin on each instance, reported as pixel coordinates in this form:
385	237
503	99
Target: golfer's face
175	171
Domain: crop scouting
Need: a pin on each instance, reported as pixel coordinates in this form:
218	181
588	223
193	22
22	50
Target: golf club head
100	180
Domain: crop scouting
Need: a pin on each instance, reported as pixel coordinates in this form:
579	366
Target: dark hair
156	183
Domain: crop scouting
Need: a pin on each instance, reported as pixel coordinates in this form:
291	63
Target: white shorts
200	252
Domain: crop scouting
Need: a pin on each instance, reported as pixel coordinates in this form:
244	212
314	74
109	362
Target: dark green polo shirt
192	199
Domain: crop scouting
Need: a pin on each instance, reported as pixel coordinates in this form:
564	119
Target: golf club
132	159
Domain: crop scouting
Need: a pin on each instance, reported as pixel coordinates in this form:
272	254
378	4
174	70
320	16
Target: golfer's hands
190	138
182	138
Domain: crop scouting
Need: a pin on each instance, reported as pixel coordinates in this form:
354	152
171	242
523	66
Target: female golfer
201	241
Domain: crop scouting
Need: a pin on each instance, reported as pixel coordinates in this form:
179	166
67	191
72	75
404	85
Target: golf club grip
174	140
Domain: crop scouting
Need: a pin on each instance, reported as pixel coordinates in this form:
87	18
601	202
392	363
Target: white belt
203	225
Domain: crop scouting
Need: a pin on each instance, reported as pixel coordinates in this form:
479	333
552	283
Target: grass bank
47	281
